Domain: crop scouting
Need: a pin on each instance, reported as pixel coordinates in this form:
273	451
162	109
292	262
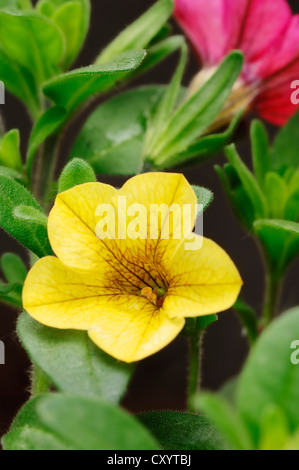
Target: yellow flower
132	296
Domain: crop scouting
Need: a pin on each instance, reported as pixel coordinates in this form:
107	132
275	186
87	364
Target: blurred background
160	381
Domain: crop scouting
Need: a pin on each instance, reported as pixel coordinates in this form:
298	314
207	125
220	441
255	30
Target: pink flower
265	31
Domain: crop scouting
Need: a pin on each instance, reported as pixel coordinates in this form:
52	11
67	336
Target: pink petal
213	26
283	52
275	105
266	23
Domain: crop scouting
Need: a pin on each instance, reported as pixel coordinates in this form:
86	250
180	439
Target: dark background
160	381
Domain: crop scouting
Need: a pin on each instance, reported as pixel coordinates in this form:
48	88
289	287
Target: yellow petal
133	334
168	211
72	223
58	297
201	282
126	326
155	189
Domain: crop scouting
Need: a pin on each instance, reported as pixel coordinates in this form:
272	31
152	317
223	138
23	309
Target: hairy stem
195	344
272	297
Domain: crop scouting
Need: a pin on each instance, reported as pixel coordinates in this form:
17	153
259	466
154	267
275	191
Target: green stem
272	297
39	382
45	171
195	343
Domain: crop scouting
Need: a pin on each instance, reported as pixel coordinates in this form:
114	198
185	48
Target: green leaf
76	172
285	149
77	423
140	33
274	429
9	173
226	421
195	115
30	214
20	82
72	362
204	197
10	150
260	151
182	431
70	19
37	45
45	7
158	52
70	89
237	195
117	148
205	147
34	237
281	238
276	193
248	318
249	182
269	377
8	4
29	433
164	110
13	268
7	288
49	122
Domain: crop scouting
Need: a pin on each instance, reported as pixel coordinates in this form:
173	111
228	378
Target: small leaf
70	89
9	173
76	423
249	182
13	268
69	19
237	195
33	237
182	431
49	122
260	151
76	172
274	429
20	82
204	196
140	33
30	214
72	362
29	433
285	148
226	421
248	318
10	151
281	239
7	288
37	45
276	192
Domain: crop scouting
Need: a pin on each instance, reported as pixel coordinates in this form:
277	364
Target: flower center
155	296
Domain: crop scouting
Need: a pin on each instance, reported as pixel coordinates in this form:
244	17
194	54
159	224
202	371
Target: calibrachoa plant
113	275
